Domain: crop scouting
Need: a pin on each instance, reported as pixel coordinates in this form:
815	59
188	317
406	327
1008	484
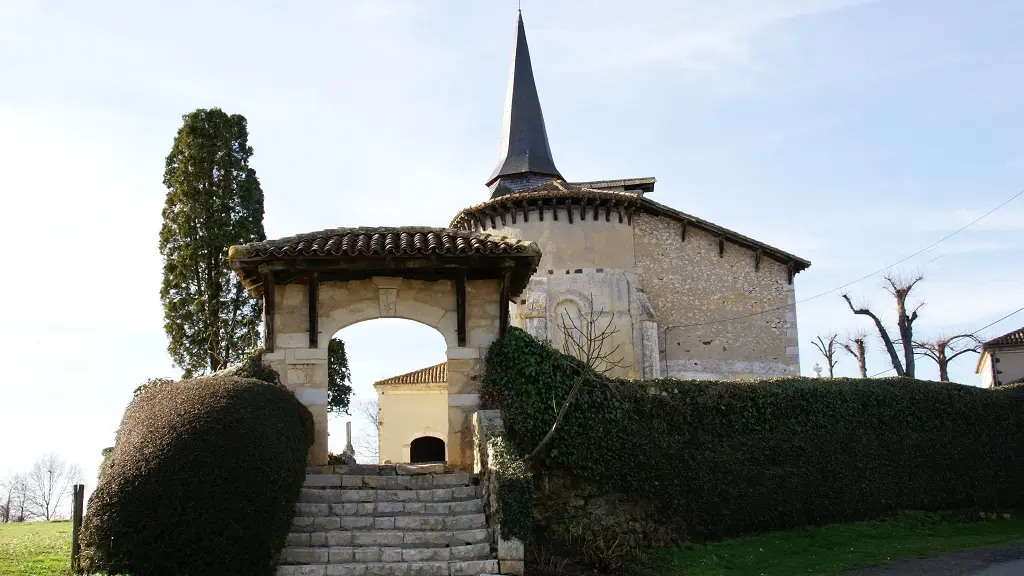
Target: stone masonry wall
689	283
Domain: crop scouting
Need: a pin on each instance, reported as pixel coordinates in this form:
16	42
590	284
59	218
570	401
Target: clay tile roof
438	373
409	241
1015	338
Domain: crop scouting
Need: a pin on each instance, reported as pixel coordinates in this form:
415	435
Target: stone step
342	495
466	568
379	469
321	538
417	522
343	554
475	506
397	482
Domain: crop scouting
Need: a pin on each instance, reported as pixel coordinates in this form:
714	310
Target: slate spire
524	149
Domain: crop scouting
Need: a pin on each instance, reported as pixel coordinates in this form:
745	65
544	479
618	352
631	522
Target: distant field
35	548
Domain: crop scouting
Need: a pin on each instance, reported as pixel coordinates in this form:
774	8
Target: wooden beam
554	210
460	308
269	293
721	246
568	209
757	260
683	233
526	212
506	281
512	208
313	295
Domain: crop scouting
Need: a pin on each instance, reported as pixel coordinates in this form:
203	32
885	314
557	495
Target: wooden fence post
77	506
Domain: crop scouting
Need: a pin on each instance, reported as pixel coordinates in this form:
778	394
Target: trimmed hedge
203	478
720	459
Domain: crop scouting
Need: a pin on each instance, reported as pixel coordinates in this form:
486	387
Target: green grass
830	549
35	548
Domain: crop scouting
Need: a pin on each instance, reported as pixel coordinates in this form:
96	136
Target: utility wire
1017	311
862	278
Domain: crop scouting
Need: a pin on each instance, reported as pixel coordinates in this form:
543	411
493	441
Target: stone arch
571	301
314	284
427	449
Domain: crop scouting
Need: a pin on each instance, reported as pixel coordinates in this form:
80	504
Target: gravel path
996	561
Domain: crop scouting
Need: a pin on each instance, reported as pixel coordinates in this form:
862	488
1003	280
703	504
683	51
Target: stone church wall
585	264
689	283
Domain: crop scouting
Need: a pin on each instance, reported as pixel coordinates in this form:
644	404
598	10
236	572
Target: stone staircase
389	520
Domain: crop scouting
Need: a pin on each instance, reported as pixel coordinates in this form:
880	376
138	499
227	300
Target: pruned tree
214	201
339	378
587	339
856	346
945	349
49	484
899	289
367	443
828	348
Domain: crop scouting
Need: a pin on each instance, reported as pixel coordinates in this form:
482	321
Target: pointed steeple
524	149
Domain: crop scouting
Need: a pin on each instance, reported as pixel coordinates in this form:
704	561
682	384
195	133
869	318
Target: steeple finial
524	148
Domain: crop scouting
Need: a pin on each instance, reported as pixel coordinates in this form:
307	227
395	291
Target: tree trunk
862	363
943	363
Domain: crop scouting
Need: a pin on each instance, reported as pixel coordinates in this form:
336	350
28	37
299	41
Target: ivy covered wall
700	460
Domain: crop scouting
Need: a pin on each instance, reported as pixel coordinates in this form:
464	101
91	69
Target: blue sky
850	133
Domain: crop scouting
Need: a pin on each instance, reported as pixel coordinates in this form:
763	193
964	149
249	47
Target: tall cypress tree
214	200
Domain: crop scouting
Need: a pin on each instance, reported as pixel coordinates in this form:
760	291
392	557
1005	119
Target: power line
1017	311
862	278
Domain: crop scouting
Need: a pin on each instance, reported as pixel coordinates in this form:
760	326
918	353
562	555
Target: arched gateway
314	284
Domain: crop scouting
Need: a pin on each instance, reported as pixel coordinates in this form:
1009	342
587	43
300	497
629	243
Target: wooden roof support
460	307
683	231
269	294
313	296
757	260
721	246
506	281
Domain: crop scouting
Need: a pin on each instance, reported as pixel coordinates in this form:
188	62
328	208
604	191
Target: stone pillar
487	424
302	369
349	449
466	368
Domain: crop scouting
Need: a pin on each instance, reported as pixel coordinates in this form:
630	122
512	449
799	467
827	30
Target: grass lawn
35	548
830	549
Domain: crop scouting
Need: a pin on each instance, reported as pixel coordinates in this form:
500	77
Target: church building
682	297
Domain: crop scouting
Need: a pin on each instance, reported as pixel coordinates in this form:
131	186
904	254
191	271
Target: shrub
716	459
203	479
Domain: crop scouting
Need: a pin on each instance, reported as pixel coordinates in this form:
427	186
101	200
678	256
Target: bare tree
14	505
945	349
828	349
899	289
586	339
856	346
367	444
49	482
